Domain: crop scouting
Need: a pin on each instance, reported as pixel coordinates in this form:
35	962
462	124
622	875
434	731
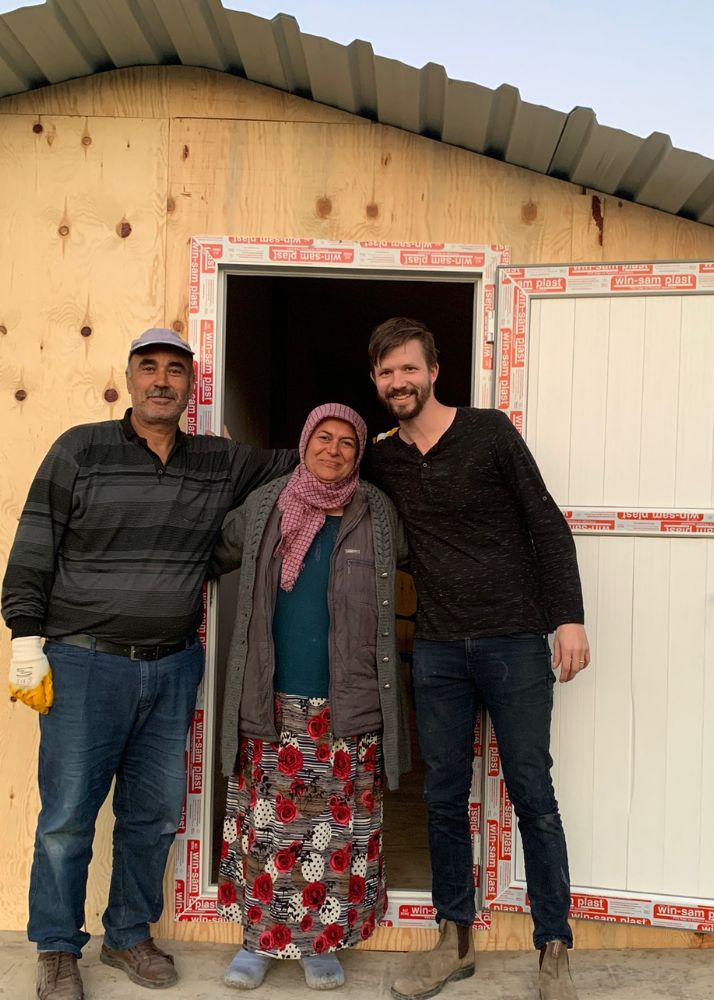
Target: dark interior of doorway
292	342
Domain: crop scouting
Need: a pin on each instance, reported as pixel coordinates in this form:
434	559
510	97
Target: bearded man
495	571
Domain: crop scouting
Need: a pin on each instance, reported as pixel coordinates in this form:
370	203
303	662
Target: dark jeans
511	675
111	717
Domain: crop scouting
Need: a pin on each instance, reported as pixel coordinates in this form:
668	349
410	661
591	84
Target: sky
642	65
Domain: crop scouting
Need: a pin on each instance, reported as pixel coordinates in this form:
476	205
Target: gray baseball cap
159	336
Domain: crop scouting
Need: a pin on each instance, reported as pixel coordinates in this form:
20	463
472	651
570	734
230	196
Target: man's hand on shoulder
571	651
30	674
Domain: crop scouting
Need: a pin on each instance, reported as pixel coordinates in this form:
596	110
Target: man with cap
107	567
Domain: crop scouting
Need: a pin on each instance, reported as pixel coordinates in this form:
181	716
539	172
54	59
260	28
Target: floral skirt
301	863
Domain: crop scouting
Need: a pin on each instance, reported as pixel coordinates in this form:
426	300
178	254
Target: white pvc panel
695	425
620	413
620	402
706	854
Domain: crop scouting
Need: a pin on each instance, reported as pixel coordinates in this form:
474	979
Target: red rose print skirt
301	865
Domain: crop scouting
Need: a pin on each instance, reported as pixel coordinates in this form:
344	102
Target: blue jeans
512	677
111	717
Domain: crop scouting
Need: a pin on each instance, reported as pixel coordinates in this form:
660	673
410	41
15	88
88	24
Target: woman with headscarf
311	717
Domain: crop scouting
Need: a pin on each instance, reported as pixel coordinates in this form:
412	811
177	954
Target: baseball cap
159	336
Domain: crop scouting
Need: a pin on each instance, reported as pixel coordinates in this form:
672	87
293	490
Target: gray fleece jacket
365	690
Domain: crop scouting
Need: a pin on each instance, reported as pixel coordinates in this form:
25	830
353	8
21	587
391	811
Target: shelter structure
272	195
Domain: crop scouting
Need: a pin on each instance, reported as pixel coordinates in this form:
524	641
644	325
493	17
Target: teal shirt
301	622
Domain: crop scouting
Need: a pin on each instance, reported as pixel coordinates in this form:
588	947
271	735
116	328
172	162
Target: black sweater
114	543
490	551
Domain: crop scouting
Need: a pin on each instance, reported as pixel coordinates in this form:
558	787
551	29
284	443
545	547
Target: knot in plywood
598	217
529	212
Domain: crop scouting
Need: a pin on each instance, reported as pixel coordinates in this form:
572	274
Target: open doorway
291	343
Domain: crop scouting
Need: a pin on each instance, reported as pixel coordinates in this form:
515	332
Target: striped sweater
114	543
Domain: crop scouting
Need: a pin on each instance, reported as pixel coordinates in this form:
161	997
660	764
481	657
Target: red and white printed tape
206	254
516	286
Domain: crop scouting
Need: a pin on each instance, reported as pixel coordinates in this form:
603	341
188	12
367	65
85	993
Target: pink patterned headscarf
305	499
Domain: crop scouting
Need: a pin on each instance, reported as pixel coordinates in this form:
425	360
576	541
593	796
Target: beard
408	407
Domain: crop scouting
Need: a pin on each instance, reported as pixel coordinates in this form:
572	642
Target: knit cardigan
239	547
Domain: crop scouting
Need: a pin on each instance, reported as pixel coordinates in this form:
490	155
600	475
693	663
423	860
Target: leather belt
116	649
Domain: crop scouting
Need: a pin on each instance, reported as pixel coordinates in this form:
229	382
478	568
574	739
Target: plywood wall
103	181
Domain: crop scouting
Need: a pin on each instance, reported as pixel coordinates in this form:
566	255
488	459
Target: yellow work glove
30	673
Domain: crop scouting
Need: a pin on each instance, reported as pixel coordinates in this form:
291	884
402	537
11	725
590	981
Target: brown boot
554	980
58	977
144	964
430	971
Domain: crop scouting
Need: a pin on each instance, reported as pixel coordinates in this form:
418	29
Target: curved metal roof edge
65	39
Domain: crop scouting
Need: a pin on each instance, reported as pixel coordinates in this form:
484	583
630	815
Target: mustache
161	394
400	392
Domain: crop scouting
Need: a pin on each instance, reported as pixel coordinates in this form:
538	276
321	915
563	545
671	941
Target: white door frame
212	260
517	288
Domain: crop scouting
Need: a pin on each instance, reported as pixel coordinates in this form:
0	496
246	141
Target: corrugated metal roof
63	39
